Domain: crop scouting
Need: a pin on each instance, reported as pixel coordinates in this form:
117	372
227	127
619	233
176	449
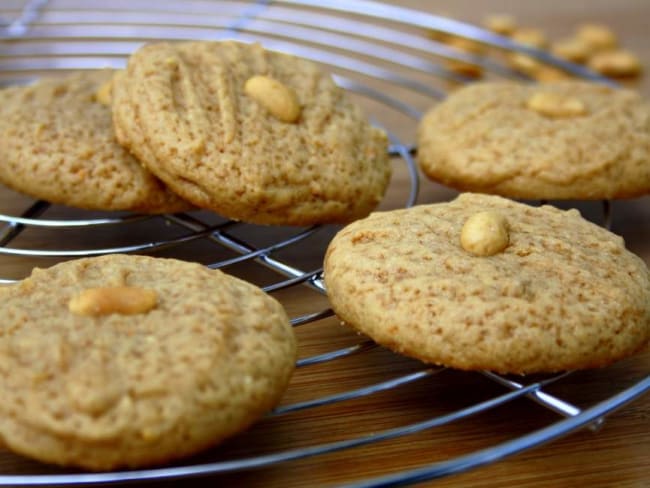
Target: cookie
251	134
57	144
485	283
564	140
127	361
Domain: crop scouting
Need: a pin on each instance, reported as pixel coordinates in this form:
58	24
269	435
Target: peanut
439	36
485	234
467	45
502	24
574	49
280	100
556	105
530	37
619	64
125	300
549	74
462	67
525	64
466	69
598	37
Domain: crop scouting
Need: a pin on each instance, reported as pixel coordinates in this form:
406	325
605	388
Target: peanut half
556	105
466	46
530	37
485	234
617	64
280	100
125	300
598	37
503	24
572	49
525	64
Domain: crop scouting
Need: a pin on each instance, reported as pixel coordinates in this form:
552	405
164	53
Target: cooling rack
384	56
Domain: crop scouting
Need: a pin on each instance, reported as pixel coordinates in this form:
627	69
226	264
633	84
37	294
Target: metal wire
282	456
76	34
147	246
505	449
354	394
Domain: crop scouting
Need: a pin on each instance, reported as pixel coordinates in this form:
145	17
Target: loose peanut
525	64
530	37
618	64
462	67
549	74
573	49
556	105
439	36
280	100
124	300
598	37
485	234
465	69
502	24
467	45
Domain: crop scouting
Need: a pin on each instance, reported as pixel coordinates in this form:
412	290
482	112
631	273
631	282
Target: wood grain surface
614	455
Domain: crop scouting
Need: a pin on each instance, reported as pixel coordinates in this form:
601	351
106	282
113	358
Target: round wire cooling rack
380	53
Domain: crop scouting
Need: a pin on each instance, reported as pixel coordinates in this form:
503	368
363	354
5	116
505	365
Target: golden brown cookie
57	144
564	140
126	361
483	282
252	134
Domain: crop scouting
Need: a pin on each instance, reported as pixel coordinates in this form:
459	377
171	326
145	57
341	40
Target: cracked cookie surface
184	111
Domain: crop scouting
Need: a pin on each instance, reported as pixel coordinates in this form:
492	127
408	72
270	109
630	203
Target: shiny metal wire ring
78	34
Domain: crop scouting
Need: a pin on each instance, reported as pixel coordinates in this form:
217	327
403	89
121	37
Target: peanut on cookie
126	361
483	282
556	140
251	134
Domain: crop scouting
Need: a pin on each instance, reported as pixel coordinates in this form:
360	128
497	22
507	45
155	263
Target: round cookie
92	376
57	144
564	140
562	294
192	115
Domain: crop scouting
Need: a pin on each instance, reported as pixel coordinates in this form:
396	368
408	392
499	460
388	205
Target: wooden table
614	455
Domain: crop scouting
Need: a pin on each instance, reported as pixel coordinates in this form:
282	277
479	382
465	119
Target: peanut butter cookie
126	361
483	282
57	144
252	134
564	140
